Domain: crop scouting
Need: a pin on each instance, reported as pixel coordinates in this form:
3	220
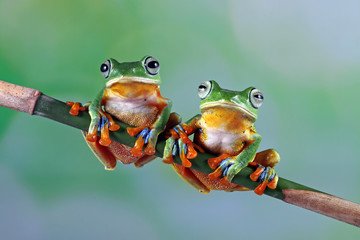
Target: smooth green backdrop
304	56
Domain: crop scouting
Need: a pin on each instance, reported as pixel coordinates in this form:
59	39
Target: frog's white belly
221	141
136	112
128	106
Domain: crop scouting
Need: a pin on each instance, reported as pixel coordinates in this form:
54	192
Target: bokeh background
304	56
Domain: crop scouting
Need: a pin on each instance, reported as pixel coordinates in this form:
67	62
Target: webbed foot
76	107
267	178
102	123
226	168
145	136
179	144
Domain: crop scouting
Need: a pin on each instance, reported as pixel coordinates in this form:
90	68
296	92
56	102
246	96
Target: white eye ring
152	66
105	68
256	98
204	89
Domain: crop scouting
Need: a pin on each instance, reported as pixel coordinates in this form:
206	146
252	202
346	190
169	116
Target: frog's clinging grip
179	144
226	128
267	178
75	108
131	95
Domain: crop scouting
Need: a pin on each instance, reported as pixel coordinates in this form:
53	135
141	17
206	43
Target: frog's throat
229	105
132	79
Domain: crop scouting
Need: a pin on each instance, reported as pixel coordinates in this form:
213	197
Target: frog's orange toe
273	183
70	104
184	161
214	162
91	137
114	127
188	130
105	141
134	131
216	174
184	137
259	190
174	134
191	152
136	152
137	149
255	175
74	109
168	160
150	150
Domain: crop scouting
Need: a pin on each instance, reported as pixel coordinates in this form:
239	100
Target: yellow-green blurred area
304	56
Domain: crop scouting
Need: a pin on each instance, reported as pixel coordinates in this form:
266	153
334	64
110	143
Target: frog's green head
146	71
247	101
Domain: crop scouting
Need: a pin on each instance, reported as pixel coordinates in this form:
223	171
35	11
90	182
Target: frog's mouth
131	79
228	105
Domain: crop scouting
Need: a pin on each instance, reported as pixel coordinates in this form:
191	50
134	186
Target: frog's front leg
148	135
100	121
179	143
228	166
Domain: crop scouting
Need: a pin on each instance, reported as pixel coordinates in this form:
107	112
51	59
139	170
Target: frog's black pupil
153	64
202	87
104	67
258	96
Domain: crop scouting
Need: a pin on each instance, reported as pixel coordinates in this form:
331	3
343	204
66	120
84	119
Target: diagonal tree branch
35	103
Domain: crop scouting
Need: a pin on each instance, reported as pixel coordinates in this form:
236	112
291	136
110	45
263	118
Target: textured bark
19	98
325	204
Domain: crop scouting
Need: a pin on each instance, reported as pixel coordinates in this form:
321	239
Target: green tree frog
131	95
225	128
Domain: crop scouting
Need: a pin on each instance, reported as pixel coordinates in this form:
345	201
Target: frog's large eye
105	68
256	98
204	89
152	66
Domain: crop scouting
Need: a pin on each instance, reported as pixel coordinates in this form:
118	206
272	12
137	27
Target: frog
225	128
131	95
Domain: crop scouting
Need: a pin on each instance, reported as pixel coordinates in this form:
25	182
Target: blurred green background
304	56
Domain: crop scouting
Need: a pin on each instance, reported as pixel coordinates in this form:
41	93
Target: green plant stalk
58	111
34	102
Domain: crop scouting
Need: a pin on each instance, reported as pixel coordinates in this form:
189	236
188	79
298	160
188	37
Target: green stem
58	111
34	102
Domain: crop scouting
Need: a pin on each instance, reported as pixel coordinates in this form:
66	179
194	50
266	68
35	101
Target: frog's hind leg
105	156
190	178
267	158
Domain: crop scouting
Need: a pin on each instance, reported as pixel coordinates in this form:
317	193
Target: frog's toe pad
105	141
150	149
91	137
214	162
